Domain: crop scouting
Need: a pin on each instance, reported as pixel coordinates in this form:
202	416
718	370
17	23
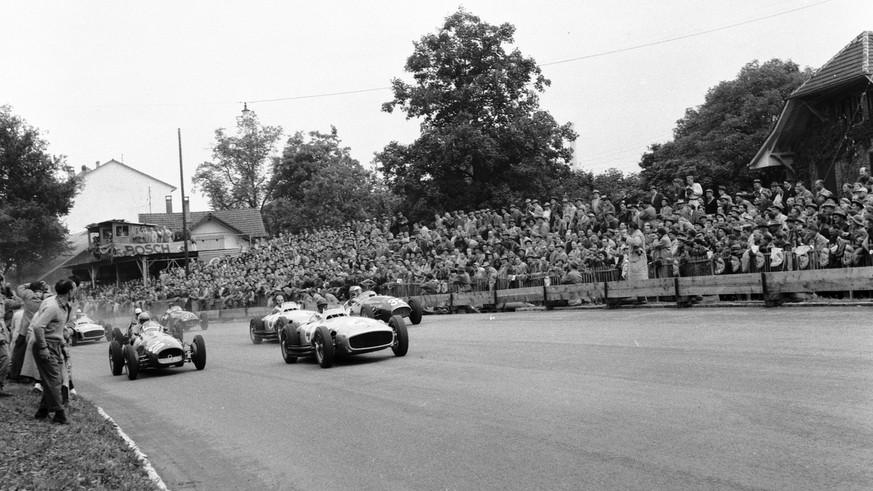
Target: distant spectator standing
693	191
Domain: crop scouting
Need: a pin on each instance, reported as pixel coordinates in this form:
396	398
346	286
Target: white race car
85	329
269	326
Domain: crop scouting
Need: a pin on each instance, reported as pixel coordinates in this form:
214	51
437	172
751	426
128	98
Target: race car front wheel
286	341
198	352
116	357
401	336
252	325
132	362
323	347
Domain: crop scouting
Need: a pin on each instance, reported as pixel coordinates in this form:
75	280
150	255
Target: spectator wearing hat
638	262
558	254
31	295
710	203
662	253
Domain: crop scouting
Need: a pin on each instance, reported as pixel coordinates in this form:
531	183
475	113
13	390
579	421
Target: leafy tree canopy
237	176
317	183
484	141
36	190
717	140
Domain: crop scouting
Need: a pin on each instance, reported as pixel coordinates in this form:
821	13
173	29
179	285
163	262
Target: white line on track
153	474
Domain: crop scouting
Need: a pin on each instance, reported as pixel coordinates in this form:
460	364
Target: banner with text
118	250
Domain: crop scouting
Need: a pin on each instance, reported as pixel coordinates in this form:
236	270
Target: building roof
247	221
846	67
849	68
115	162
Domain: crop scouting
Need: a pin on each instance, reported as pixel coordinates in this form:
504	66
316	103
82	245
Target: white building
115	190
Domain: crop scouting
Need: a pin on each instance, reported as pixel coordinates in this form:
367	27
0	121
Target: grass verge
86	454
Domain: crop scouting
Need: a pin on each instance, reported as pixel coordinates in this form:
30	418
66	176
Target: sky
108	80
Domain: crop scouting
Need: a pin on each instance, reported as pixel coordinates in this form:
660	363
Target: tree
484	140
317	183
237	176
716	141
36	190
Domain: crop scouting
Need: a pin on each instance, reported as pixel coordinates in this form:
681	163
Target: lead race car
334	333
178	321
153	348
370	304
269	326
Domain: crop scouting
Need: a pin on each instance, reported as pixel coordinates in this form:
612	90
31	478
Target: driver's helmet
279	299
137	311
143	317
355	291
151	326
79	313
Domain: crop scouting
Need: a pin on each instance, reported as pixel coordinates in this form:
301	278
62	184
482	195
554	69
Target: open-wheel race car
85	329
178	321
383	307
335	333
269	326
153	348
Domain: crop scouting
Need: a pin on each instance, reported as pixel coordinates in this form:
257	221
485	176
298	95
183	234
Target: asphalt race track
701	398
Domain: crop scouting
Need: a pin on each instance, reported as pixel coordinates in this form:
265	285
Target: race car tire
367	311
323	344
280	324
401	336
204	321
254	324
198	352
132	362
416	312
287	338
74	339
116	357
108	328
116	335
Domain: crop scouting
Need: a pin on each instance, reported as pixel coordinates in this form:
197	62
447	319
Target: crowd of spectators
783	225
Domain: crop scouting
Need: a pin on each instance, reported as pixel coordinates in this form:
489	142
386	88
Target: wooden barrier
682	288
823	280
472	299
529	294
732	284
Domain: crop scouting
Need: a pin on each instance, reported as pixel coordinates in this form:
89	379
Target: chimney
169	200
84	168
96	164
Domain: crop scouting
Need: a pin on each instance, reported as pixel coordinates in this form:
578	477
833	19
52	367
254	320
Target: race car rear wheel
416	312
287	339
198	352
204	321
253	325
132	362
401	336
74	338
116	357
323	343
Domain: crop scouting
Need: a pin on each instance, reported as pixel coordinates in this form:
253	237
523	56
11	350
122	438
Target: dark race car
383	307
334	333
153	348
178	321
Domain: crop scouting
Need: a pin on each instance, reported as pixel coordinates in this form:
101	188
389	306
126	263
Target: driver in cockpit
354	293
278	303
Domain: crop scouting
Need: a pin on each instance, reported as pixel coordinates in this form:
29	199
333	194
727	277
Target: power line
686	36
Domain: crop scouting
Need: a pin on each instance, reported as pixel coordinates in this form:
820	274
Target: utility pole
184	211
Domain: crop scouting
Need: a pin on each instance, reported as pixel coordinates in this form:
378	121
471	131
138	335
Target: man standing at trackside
48	331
